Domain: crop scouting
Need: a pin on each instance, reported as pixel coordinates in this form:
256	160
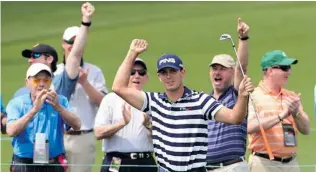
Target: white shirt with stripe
180	128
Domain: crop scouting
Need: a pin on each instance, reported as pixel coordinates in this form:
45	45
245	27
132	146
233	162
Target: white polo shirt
79	100
134	137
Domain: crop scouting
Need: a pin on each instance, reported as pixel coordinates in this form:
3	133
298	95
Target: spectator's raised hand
242	28
87	10
138	46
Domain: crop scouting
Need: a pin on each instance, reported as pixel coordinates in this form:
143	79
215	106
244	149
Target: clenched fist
87	11
245	87
138	46
242	28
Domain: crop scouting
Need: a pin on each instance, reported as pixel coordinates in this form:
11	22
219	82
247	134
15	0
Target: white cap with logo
224	60
70	32
36	68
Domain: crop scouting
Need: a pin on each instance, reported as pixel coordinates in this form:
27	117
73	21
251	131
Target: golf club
228	36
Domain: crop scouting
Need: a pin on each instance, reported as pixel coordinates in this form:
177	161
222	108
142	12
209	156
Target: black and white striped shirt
180	128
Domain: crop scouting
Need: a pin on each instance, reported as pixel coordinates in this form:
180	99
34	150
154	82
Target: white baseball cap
70	32
36	68
224	60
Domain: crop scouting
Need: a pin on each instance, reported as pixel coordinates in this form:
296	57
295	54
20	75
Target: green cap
275	58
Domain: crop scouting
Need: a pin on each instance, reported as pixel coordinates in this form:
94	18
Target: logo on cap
167	60
36	45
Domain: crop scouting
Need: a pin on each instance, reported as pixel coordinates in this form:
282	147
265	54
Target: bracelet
86	23
244	38
281	120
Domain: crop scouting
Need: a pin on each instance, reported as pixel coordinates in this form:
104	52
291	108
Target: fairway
188	29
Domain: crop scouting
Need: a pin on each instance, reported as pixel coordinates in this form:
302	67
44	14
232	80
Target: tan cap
224	60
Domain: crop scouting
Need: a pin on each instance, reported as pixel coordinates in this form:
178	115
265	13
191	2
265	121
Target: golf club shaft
263	133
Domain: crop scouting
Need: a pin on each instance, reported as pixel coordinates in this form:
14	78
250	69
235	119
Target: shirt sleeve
105	112
21	91
147	100
2	106
251	111
14	110
64	103
100	83
64	85
209	106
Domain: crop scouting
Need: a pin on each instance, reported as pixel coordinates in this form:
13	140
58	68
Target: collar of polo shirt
186	94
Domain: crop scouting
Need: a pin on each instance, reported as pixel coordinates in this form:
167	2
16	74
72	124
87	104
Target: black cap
141	62
40	48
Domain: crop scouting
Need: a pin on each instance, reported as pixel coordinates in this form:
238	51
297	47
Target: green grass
188	29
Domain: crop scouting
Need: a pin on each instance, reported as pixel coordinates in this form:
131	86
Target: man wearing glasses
36	121
88	94
281	114
64	83
124	129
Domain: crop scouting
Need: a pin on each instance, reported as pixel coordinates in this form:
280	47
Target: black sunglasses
283	68
141	72
70	42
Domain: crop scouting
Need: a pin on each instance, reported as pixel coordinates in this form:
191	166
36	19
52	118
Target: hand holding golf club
242	29
245	87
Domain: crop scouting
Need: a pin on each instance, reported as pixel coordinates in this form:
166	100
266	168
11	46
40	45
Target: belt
30	160
134	155
222	164
79	132
280	159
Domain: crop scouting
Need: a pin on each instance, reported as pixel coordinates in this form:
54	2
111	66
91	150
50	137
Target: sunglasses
36	81
283	68
141	72
70	42
37	55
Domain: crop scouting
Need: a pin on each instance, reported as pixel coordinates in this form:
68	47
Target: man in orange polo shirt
281	114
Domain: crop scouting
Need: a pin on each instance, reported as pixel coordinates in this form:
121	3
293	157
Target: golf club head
225	36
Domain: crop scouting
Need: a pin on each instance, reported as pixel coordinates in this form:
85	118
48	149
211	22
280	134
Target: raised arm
74	58
238	113
132	96
242	29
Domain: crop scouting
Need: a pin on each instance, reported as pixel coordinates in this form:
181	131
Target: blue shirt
225	141
2	106
62	83
47	121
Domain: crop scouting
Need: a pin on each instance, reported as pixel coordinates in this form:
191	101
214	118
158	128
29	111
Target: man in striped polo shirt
179	114
227	143
281	115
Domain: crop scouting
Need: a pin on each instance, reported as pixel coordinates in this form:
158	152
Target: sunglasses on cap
36	81
37	55
70	42
283	68
141	72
